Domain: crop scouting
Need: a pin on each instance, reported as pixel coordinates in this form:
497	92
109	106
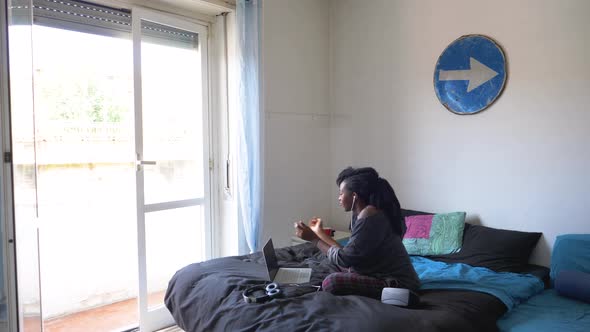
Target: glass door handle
140	163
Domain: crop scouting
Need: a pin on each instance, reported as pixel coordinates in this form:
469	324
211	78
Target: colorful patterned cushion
434	234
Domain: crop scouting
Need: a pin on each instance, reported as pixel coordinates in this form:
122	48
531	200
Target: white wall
297	174
522	164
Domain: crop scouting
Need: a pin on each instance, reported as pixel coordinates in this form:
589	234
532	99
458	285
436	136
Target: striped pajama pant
348	283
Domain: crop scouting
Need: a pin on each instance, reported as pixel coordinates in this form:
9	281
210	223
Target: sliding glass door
171	103
26	227
110	142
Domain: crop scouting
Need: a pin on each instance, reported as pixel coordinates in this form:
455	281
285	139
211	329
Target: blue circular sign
470	74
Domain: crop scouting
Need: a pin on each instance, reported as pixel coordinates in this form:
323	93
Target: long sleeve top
375	250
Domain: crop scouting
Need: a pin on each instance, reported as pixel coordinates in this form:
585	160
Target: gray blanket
207	296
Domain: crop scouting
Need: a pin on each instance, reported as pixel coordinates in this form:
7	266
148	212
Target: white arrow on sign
477	75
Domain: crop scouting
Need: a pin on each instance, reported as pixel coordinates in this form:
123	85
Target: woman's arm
321	240
316	226
323	246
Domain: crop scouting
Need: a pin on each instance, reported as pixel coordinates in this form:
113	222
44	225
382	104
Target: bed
547	311
563	307
207	296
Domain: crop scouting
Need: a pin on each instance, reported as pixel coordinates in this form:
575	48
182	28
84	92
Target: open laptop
283	275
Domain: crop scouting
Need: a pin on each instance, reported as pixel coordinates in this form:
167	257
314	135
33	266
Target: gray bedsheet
207	296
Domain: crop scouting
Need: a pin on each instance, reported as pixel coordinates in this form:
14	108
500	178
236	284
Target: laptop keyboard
293	275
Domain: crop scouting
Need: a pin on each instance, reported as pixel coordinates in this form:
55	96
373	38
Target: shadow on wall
542	251
473	219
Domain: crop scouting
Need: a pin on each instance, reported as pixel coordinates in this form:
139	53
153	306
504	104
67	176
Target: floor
119	316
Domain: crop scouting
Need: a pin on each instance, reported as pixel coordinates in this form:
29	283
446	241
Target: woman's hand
316	225
304	232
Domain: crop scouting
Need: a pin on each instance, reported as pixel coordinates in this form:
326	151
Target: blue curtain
249	194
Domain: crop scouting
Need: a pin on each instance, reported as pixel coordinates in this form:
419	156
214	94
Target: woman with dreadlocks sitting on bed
374	257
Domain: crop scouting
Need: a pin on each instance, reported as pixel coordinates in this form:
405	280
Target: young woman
374	257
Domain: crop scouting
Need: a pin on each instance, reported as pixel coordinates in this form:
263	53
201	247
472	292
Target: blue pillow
570	252
573	284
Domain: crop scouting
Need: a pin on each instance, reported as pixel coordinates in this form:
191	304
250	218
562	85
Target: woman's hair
376	191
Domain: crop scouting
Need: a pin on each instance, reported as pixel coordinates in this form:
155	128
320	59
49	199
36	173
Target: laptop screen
270	259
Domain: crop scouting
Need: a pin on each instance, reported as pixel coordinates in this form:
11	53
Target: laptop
283	275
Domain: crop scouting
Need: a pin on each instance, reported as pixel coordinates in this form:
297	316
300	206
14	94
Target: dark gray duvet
207	296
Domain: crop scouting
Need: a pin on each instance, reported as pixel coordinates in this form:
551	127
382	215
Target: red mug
329	231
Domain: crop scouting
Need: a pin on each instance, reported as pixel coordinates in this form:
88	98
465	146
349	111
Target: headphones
270	291
352	209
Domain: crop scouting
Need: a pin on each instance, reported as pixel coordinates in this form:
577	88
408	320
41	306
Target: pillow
407	213
500	250
573	284
434	234
570	252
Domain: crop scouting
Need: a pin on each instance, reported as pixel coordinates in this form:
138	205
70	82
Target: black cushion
408	213
500	250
